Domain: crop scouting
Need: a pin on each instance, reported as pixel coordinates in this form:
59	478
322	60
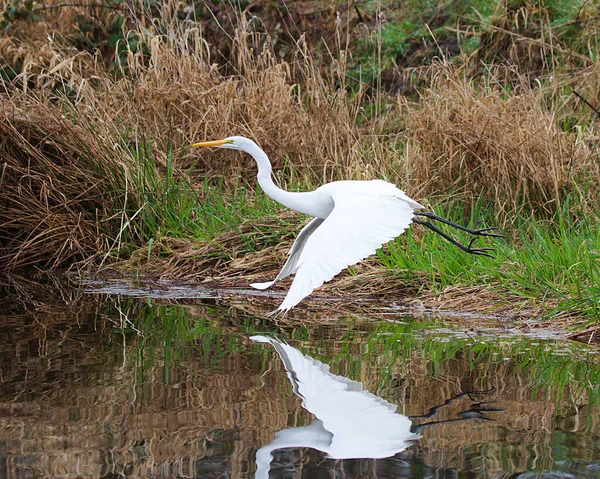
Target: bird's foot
480	251
487	232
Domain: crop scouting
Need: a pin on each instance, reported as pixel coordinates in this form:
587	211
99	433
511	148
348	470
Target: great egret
352	219
351	423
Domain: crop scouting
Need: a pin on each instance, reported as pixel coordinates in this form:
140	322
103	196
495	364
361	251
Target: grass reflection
173	333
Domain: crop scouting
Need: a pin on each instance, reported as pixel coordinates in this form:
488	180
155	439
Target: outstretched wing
355	423
356	227
294	254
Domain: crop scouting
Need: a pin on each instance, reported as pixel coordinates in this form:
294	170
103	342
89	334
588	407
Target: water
115	385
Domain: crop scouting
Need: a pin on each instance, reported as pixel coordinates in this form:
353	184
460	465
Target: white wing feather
356	227
293	255
361	424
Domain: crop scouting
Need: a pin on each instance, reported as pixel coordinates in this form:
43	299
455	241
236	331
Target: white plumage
351	422
355	228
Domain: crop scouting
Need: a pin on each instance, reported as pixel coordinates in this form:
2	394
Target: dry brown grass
62	187
474	141
224	257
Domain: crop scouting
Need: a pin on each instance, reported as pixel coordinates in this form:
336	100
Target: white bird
352	219
351	423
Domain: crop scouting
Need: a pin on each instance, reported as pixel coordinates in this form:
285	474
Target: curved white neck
295	201
265	180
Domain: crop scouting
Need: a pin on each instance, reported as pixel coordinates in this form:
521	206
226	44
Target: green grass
555	264
174	205
418	31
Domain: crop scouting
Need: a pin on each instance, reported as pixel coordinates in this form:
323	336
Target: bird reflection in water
351	423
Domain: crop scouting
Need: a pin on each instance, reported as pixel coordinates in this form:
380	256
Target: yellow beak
211	143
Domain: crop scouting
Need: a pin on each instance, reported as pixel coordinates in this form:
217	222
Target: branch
578	95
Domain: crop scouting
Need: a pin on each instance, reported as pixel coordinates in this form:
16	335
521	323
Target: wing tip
288	303
262	286
261	339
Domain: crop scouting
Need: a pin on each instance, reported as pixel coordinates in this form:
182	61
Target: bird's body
320	202
352	219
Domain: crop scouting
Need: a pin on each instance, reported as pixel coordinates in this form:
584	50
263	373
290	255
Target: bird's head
242	144
231	142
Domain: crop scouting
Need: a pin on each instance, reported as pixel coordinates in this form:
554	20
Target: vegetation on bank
489	114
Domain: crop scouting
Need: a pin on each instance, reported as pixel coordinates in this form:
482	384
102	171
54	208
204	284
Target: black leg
478	232
468	249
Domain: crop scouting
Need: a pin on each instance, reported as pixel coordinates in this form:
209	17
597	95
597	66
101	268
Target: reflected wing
294	254
356	227
361	424
308	376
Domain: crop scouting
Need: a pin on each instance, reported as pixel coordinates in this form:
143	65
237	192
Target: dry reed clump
292	110
226	256
62	187
479	141
172	93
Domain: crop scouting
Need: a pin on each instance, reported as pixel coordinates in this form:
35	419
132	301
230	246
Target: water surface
159	385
